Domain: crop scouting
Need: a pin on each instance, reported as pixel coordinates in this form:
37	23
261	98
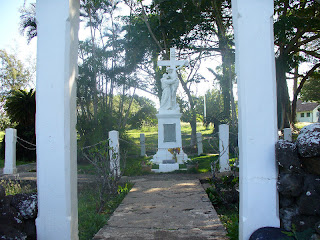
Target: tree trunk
193	124
193	121
294	101
283	100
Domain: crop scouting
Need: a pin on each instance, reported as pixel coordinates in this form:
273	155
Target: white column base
64	228
9	170
164	155
169	117
168	167
257	193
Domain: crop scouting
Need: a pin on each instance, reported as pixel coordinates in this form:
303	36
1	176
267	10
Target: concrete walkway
159	206
167	206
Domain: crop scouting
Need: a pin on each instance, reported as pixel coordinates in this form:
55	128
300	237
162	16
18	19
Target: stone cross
173	63
170	82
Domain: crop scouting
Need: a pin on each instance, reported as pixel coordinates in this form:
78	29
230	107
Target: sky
13	42
10	38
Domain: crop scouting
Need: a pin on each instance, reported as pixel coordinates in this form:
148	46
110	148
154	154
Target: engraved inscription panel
169	132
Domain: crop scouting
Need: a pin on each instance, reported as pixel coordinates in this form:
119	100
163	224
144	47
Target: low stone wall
17	215
299	180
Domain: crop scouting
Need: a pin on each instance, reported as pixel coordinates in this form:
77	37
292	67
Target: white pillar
57	51
287	134
142	145
255	68
224	147
114	153
10	151
199	143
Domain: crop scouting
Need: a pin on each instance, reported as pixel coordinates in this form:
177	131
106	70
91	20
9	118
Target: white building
307	111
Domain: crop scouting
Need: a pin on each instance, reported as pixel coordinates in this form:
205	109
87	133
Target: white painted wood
10	151
224	148
287	134
142	145
255	68
114	153
199	143
57	52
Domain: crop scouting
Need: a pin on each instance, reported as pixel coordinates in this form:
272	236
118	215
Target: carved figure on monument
169	85
170	82
169	126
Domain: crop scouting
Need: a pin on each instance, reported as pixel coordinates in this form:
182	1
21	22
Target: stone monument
170	153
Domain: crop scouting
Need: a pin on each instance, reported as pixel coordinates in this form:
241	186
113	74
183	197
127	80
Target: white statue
170	82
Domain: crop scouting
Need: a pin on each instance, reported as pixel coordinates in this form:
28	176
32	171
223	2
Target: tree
20	106
103	74
28	22
295	97
13	76
296	30
311	89
185	25
214	107
145	114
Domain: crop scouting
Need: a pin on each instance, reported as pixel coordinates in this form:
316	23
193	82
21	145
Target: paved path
164	207
159	206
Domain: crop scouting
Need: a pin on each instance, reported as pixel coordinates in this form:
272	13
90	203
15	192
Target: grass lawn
151	135
133	160
300	125
18	163
90	222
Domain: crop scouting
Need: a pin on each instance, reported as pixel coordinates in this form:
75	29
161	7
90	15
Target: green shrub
13	187
90	222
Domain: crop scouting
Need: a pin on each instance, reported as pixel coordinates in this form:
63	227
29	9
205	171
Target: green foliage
296	28
28	22
146	114
231	222
13	74
214	106
90	222
20	107
300	235
2	133
311	89
14	187
225	200
134	167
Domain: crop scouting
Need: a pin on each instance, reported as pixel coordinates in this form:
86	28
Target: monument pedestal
169	136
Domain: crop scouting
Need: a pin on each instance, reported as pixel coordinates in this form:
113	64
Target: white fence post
114	153
10	151
142	144
57	53
199	143
287	134
255	68
224	147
